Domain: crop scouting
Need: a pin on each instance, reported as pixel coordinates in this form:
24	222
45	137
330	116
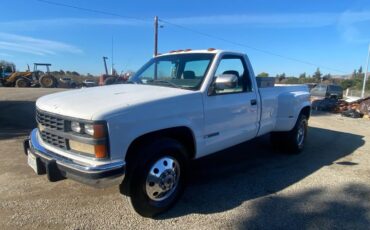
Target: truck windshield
185	71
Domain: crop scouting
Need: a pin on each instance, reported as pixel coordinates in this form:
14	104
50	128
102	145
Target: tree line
354	81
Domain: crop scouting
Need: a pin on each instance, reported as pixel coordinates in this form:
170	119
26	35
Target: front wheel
22	82
292	141
158	178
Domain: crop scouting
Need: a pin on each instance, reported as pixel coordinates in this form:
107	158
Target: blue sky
332	34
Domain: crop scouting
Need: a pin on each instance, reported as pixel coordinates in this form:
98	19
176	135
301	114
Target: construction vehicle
5	72
110	79
10	77
28	78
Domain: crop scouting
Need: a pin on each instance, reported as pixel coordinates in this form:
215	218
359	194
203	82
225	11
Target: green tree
317	75
302	76
263	74
326	77
281	77
360	73
292	80
75	73
347	83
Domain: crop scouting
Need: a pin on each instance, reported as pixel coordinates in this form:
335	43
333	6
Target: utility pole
155	36
365	75
112	68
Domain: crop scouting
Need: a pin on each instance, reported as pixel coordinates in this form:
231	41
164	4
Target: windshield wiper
165	82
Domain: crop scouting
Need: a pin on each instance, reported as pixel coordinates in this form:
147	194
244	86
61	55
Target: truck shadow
17	118
345	208
252	170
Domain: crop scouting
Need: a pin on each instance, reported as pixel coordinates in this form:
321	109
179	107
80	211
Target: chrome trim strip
42	152
76	137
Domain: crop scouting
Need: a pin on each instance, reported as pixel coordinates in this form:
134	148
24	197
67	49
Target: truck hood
97	102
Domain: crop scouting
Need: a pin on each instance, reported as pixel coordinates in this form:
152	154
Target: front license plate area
32	161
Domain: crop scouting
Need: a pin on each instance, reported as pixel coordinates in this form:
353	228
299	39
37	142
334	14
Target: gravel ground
248	186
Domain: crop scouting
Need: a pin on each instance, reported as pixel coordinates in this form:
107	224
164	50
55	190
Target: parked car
89	83
327	91
67	82
143	134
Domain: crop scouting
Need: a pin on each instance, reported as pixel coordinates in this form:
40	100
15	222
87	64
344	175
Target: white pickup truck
178	107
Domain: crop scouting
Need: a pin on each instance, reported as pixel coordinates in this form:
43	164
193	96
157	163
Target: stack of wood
344	106
354	109
359	108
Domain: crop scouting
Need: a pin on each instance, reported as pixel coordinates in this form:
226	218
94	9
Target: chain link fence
355	93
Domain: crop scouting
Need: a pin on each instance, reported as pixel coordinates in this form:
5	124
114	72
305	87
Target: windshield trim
152	60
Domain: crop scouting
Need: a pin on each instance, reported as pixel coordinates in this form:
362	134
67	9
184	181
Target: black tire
48	81
292	141
146	162
110	81
22	82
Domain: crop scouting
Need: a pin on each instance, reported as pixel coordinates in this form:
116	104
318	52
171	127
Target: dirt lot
248	186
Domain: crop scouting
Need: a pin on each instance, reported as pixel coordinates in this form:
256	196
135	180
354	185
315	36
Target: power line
91	10
193	31
251	47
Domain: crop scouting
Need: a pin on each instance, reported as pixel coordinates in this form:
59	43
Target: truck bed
277	112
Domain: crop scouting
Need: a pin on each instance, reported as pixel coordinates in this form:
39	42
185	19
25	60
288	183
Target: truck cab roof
210	50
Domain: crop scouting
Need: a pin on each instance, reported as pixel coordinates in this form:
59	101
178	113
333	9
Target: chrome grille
54	140
49	121
54	124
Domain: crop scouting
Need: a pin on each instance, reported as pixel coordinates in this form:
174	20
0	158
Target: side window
165	70
234	65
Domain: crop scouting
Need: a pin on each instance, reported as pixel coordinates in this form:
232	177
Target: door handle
253	102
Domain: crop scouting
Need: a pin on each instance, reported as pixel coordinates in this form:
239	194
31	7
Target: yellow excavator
11	78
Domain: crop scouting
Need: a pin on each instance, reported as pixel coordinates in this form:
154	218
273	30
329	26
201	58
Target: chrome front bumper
58	167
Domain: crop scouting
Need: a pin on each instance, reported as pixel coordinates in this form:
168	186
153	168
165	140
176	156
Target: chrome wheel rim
162	179
301	133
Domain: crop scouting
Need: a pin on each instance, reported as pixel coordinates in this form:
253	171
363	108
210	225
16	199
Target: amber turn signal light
99	131
100	151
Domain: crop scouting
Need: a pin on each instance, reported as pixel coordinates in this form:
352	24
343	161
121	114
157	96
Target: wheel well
306	111
182	134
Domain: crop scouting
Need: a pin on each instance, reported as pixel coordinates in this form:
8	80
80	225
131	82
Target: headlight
96	131
76	127
89	129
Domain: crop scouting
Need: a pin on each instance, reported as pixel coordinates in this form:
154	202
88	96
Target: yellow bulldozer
11	78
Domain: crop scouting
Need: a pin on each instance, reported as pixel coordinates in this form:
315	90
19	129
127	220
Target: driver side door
231	116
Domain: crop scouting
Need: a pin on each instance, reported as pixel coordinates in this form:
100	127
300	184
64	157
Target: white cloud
262	20
346	22
349	26
30	45
5	55
259	20
62	22
278	20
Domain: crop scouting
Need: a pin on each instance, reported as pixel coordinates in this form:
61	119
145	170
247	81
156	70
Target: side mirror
224	82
